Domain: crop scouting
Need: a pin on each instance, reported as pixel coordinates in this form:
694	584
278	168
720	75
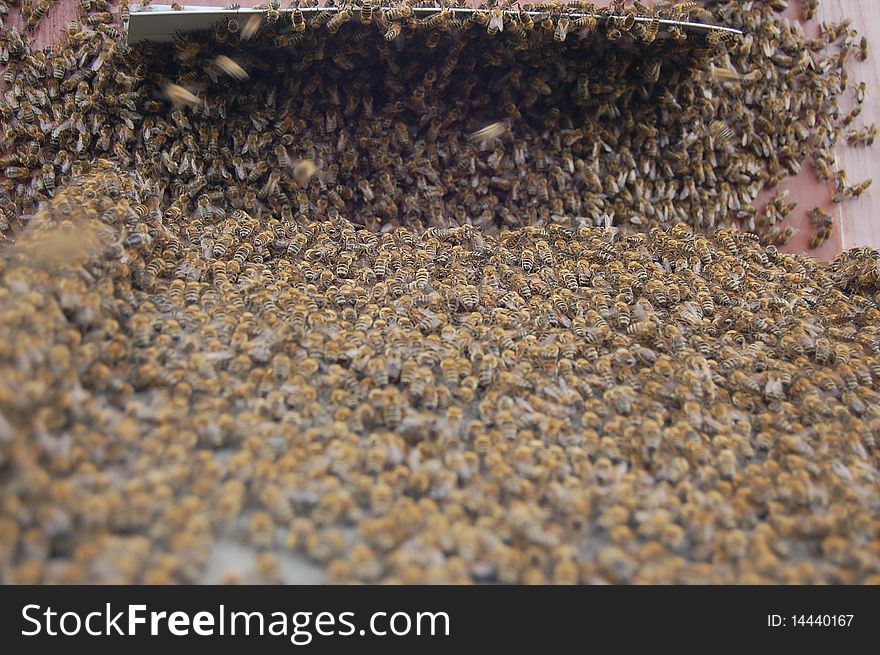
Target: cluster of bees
466	317
33	11
650	129
543	405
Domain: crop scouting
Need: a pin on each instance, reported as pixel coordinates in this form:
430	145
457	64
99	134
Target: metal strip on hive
159	22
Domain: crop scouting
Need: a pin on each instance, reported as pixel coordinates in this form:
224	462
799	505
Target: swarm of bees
350	313
542	405
592	129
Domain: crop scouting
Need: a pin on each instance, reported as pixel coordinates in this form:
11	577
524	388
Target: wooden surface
809	191
52	25
861	218
856	223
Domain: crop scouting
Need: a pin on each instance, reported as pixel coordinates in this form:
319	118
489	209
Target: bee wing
99	61
773	387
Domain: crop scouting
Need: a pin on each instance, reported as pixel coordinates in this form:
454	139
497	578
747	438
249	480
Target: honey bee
858	189
181	96
864	137
303	171
230	67
495	22
486	370
297	19
337	21
251	27
396	13
561	31
277	503
367	7
489	132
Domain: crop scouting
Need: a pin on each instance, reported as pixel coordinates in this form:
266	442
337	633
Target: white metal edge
159	22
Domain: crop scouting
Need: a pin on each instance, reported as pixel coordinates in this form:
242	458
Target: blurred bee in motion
181	96
251	27
303	170
230	67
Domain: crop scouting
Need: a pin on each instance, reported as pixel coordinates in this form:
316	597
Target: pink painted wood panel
861	218
855	222
51	26
809	191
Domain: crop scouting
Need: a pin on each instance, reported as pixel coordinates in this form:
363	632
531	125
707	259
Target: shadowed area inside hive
398	140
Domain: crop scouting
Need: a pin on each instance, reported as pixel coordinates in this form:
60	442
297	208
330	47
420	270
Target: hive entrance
401	102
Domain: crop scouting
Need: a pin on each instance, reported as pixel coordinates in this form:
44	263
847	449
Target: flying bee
303	170
230	67
181	96
251	27
489	132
